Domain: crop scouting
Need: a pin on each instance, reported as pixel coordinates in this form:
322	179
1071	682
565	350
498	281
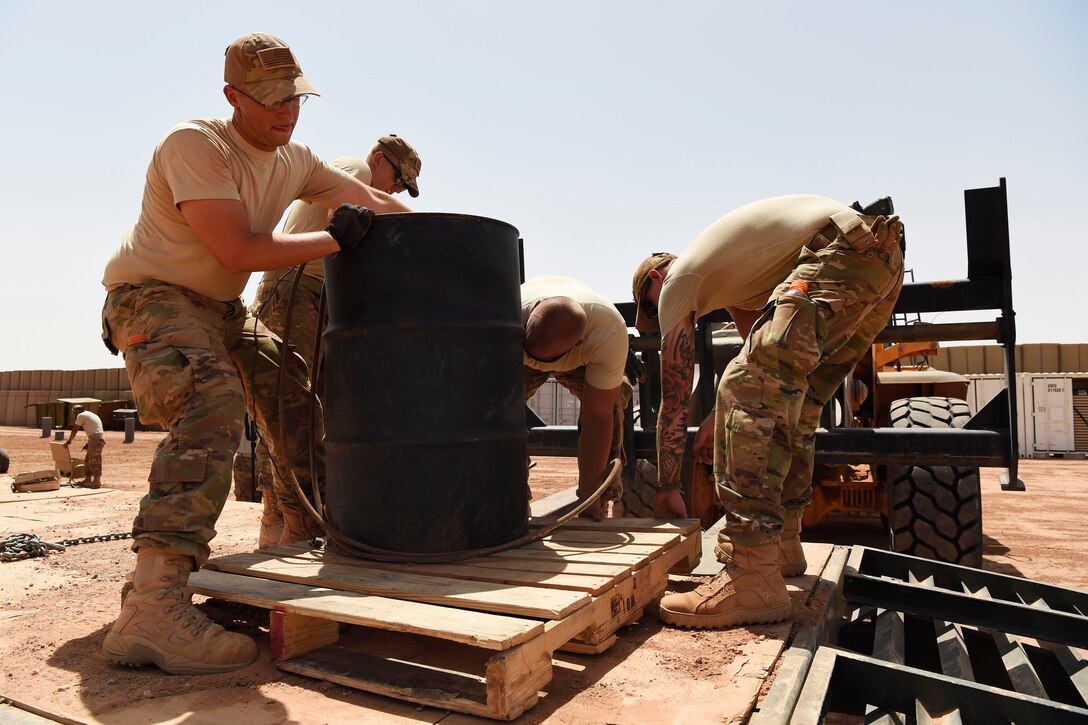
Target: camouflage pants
798	353
93	462
574	381
271	306
192	362
246	487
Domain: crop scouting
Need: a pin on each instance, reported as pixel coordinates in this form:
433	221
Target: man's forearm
677	370
594	446
363	195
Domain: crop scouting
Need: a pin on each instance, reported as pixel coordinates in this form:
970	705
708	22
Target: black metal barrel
425	437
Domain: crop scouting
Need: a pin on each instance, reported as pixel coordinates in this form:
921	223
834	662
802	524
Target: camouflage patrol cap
645	321
263	67
406	159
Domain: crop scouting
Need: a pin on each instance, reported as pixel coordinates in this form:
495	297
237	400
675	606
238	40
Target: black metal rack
906	639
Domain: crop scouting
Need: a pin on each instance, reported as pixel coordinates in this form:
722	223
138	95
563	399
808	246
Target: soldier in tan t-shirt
391	166
215	190
580	338
809	282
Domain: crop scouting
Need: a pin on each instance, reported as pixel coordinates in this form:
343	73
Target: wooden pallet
475	637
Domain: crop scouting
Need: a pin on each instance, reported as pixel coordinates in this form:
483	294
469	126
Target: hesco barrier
20	390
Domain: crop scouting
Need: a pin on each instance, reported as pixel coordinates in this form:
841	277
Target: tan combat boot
749	591
271	520
299	526
791	555
160	626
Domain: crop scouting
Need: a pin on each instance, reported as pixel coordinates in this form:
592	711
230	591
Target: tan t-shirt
89	422
738	260
306	216
208	159
603	348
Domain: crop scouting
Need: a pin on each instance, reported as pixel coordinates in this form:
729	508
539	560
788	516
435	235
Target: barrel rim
447	215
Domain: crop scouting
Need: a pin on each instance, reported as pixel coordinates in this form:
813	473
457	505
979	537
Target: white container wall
1044	402
1052	412
543	402
566	407
555	404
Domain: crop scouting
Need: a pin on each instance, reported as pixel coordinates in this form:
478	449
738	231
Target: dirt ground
54	612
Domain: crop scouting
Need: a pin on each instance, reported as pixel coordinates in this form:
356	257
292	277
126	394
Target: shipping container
1048	419
1080	414
566	407
542	402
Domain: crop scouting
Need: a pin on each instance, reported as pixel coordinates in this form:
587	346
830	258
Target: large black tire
936	511
639	491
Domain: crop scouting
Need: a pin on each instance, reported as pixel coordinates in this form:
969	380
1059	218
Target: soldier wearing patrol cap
214	191
809	282
392	166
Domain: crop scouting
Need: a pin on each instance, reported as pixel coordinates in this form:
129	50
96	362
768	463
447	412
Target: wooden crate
475	637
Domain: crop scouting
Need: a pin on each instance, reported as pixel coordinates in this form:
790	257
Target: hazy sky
601	130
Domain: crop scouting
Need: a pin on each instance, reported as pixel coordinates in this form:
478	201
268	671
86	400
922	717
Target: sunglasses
293	101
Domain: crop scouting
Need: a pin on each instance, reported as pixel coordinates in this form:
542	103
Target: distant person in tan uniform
91	425
579	337
391	166
809	282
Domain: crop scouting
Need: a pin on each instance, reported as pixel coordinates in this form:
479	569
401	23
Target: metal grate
858	498
909	640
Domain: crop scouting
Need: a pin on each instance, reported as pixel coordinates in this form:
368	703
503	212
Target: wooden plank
553	565
610	612
602	539
673	526
646	551
491	631
294	634
578	647
596	557
498	684
629	598
615	572
627	601
520	600
591	584
393	678
549	504
10	714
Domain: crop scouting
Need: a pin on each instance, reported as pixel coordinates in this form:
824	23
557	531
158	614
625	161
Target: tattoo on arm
677	371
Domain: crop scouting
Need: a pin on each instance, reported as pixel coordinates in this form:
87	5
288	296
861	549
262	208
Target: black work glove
349	225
